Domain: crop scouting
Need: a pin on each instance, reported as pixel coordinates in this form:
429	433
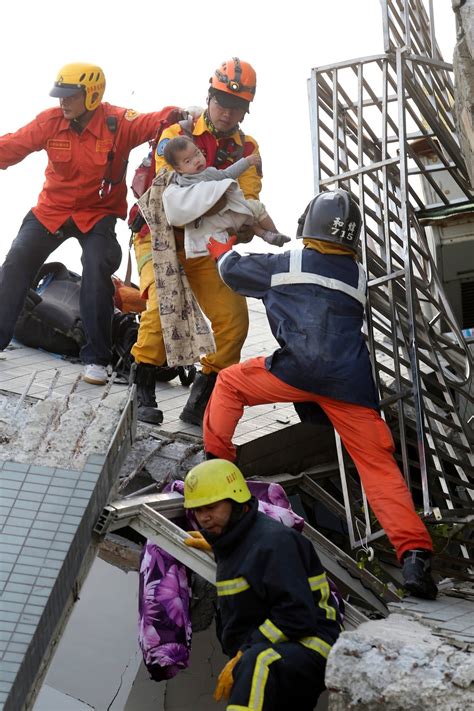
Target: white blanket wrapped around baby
186	205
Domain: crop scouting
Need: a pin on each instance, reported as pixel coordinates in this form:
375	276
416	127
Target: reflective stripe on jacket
315	307
272	587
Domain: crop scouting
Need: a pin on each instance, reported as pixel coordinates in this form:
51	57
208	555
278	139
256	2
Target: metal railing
373	121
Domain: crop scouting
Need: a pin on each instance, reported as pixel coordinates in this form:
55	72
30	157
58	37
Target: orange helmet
236	78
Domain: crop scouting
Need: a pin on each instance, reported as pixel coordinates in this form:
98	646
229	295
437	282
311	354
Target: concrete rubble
60	431
400	664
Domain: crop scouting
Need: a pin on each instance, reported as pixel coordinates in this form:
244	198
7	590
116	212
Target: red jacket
78	163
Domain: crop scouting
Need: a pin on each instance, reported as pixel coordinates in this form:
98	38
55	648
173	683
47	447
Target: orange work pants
363	432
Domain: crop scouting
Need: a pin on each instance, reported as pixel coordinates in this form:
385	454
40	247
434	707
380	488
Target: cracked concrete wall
98	664
97	657
60	431
398	664
463	63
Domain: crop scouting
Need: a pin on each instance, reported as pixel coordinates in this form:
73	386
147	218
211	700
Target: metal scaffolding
373	121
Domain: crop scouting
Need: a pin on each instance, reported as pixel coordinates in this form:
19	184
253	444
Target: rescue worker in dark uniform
314	299
218	135
277	617
88	143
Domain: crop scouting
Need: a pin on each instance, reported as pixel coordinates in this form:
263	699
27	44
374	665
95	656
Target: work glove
197	540
225	680
275	238
217	249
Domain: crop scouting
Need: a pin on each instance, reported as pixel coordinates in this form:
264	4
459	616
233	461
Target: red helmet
236	78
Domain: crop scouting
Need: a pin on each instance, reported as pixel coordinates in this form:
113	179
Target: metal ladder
372	120
154	516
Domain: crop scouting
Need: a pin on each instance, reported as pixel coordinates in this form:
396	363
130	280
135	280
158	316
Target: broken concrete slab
399	664
60	431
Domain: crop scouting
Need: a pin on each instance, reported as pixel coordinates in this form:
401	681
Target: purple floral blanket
163	606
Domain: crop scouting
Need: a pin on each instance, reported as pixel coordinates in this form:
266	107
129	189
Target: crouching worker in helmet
87	142
277	617
314	299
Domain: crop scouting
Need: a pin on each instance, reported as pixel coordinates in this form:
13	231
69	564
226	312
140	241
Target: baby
194	189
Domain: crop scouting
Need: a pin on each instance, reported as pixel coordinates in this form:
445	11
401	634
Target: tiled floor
46	518
20	362
449	615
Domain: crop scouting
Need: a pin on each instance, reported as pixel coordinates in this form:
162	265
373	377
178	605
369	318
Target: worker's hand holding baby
256	161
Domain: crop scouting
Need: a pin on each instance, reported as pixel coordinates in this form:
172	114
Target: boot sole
149	421
151	418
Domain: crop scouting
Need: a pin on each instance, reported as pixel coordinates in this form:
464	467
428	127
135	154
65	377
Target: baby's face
191	161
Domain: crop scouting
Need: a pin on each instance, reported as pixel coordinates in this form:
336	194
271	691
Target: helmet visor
230	101
61	91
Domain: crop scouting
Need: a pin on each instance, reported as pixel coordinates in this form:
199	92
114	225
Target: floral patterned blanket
186	334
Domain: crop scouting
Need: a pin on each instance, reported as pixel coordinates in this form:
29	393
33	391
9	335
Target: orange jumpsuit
314	304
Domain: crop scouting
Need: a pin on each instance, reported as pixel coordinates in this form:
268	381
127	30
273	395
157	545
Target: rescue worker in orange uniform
216	132
88	143
314	299
277	617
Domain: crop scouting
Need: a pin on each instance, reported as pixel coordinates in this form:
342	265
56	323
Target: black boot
186	374
201	391
145	377
163	373
417	579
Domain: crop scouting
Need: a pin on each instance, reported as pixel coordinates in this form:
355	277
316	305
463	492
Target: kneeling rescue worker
314	299
277	617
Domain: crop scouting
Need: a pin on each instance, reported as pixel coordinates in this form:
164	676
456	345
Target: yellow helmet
213	481
80	75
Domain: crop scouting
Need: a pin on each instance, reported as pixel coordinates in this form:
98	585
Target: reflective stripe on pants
277	677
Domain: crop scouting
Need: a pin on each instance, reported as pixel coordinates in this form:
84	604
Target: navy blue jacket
315	307
272	587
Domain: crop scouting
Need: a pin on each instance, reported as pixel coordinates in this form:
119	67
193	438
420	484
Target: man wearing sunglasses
217	134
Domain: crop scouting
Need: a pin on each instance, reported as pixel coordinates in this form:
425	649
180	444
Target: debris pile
57	431
397	664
